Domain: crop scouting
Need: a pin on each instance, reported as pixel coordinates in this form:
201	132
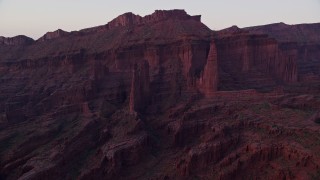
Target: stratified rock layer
302	41
254	61
159	97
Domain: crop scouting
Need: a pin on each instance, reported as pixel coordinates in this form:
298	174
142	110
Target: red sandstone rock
253	60
209	79
67	104
53	35
160	15
140	87
301	41
130	19
127	19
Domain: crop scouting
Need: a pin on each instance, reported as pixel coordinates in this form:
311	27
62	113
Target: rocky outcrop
209	78
127	19
130	19
53	35
17	40
206	153
140	87
160	15
134	100
231	30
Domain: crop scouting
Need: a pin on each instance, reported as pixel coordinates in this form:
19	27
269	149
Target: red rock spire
140	87
209	79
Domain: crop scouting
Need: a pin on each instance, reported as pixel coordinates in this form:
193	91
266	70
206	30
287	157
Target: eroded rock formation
53	35
159	97
130	19
140	87
210	77
302	41
253	60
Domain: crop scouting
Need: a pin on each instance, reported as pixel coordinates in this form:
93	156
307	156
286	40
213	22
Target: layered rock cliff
156	97
252	60
303	43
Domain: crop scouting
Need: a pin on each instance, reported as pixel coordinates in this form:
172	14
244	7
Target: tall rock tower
140	87
208	82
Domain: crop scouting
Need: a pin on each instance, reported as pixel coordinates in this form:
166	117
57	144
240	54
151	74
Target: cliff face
175	57
140	87
67	103
209	79
302	41
254	60
180	57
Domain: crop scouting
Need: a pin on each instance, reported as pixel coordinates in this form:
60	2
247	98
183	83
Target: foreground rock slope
161	97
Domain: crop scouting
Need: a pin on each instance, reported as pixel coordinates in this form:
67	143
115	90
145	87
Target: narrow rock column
140	87
209	78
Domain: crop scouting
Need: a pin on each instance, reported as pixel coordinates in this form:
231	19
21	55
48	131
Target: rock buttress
140	87
209	78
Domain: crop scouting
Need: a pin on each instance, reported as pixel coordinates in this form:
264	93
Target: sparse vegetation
259	108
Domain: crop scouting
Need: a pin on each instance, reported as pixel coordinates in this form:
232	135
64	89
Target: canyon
161	97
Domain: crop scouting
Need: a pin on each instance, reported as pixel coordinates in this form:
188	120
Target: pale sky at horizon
34	18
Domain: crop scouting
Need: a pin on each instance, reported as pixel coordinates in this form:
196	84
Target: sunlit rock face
209	79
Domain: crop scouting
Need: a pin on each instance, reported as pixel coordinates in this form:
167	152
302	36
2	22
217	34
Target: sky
34	18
